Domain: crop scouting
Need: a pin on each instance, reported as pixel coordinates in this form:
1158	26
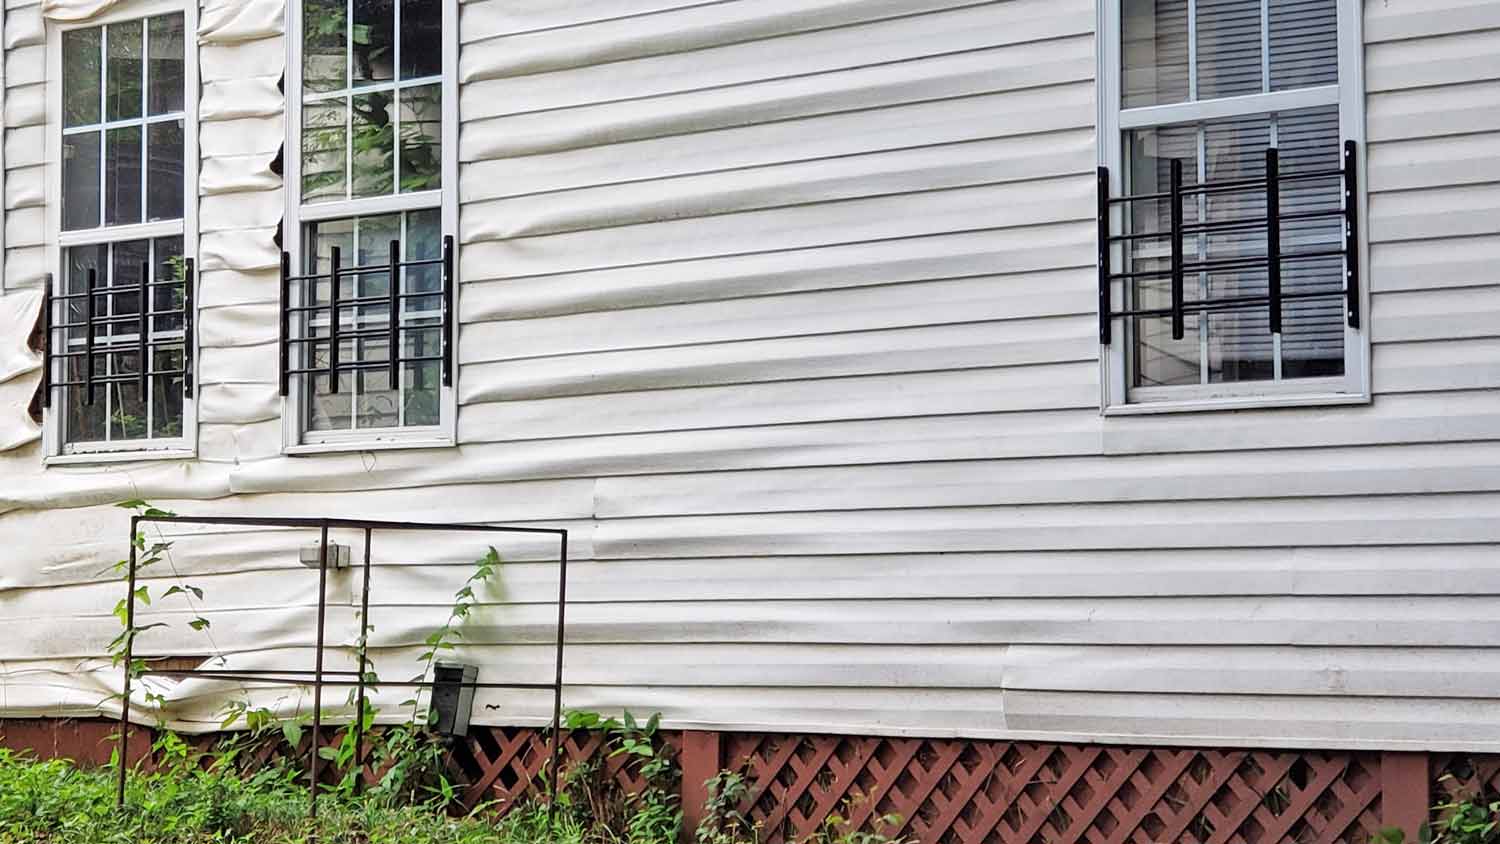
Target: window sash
297	436
1115	121
56	449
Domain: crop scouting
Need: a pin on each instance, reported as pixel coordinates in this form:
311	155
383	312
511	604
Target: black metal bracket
55	347
297	307
1275	257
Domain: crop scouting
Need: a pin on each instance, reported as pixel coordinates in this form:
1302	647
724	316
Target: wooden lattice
950	791
973	792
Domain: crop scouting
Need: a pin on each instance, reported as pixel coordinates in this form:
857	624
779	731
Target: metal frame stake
317	728
124	742
562	606
1273	238
364	644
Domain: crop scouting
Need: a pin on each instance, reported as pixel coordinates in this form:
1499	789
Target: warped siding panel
939	256
821	312
1359	672
824	137
1433	112
1299	721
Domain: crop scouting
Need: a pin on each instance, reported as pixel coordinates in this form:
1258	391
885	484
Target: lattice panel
504	764
971	792
1458	776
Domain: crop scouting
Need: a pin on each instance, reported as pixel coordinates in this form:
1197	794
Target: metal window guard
143	317
319	677
1271	262
335	307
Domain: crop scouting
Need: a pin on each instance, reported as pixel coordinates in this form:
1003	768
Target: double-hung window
1228	214
119	369
368	282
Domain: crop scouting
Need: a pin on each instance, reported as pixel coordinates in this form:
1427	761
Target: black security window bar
361	334
119	342
1169	265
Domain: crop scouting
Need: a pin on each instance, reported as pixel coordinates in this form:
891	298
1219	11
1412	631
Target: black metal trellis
142	317
299	308
1274	298
320	677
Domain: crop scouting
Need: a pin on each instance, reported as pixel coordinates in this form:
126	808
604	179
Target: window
1228	123
375	171
119	341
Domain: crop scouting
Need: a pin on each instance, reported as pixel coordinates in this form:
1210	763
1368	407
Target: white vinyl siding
785	309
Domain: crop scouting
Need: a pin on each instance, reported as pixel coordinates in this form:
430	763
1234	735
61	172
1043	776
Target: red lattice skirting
957	791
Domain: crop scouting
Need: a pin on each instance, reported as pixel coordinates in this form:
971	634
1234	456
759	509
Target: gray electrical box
452	702
338	555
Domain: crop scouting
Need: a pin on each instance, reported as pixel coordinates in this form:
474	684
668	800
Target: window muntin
123	123
118	412
375	162
1213	83
122	222
372	98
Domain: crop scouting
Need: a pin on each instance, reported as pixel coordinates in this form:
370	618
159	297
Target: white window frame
1116	396
296	439
55	450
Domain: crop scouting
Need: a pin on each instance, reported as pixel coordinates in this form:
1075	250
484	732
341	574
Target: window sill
355	446
93	457
1238	403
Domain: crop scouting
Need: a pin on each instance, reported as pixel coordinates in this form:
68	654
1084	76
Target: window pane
421	380
1304	43
324	147
123	99
1240	344
165	51
1312	330
328	410
421	138
80	199
81	76
1154	52
324	56
122	176
373	142
421	38
1157	358
374	55
81	422
367	399
164	174
127	406
165	299
1229	56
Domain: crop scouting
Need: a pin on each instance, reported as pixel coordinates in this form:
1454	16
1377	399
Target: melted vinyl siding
785	310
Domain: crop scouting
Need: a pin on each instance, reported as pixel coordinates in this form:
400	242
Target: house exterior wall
785	309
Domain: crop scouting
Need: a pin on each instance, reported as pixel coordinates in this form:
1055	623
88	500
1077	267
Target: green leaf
329	753
292	732
143	595
199	623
